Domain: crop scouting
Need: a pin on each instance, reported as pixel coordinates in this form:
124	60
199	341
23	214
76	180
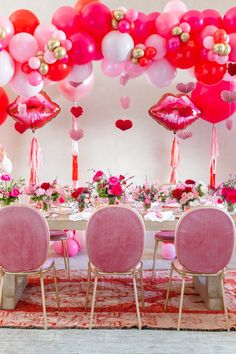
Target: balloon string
175	158
75	150
35	161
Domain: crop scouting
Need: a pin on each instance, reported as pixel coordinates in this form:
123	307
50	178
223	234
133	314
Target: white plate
63	211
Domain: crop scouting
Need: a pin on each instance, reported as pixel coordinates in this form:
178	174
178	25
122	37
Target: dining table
208	287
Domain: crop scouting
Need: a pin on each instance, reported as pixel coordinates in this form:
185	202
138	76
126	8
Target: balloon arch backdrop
129	44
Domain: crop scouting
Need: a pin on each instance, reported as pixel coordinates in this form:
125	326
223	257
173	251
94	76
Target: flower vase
4	203
81	208
230	207
146	207
46	206
112	200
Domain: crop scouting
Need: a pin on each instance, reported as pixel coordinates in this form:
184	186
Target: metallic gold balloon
177	31
184	37
3	33
137	53
119	15
59	52
134	61
43	69
219	48
53	44
227	49
114	23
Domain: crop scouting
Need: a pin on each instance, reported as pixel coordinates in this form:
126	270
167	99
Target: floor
16	341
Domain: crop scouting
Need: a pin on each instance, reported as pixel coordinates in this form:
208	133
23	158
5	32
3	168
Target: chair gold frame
39	272
154	255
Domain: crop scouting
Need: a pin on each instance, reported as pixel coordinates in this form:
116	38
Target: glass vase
112	200
230	207
46	206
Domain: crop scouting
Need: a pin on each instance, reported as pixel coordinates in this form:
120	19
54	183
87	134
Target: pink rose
98	176
5	178
49	192
113	181
147	201
39	192
14	193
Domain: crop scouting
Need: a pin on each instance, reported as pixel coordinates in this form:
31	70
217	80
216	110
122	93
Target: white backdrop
141	151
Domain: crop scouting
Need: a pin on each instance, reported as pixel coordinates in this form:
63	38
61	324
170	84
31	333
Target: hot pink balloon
131	15
159	43
43	33
73	247
144	27
6	24
165	22
229	20
35	78
176	7
212	17
195	19
23	46
76	93
66	18
232	42
161	73
168	251
83	48
112	69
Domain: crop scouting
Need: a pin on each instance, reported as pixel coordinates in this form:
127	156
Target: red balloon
144	26
208	100
58	71
24	21
66	18
195	20
209	72
220	36
38	111
185	56
4	102
83	48
82	3
229	20
212	17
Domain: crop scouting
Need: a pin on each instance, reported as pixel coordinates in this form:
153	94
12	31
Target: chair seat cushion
165	235
58	235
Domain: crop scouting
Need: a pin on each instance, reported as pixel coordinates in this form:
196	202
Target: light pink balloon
67	44
222	59
20	85
211	56
49	57
161	73
112	69
7	68
165	22
208	42
208	31
80	73
185	27
176	7
159	43
59	35
34	63
117	47
43	33
131	15
75	94
168	251
232	42
133	70
23	46
8	27
57	247
34	78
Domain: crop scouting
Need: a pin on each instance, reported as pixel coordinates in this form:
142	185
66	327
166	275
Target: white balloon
7	68
176	7
21	86
161	73
80	73
117	47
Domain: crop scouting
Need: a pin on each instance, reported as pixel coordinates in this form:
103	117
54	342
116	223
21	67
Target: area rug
115	306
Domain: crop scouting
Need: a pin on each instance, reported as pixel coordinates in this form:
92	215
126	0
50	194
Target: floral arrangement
110	187
227	192
44	193
145	194
82	196
200	186
185	194
10	189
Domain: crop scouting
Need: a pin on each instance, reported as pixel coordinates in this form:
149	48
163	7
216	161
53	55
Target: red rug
115	306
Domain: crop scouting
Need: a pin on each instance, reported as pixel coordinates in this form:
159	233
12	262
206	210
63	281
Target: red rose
75	194
190	181
231	196
116	190
121	178
98	176
219	201
188	189
177	193
45	186
225	191
80	190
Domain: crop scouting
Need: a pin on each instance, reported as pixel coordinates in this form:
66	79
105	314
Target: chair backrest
204	240
115	239
24	238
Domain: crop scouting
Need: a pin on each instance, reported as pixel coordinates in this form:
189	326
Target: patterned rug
115	306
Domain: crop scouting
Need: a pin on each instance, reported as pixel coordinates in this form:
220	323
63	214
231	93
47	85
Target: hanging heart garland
76	135
124	124
77	111
186	88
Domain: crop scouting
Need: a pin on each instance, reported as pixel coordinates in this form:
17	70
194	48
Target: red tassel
75	172
175	157
214	156
35	161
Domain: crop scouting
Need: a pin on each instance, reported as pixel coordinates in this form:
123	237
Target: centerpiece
10	189
82	196
145	194
44	194
227	192
186	195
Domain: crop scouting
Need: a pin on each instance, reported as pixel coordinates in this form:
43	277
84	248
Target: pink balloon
177	7
66	18
75	94
34	63
173	44
59	35
161	73
195	20
35	78
124	26
80	73
7	68
23	46
159	43
131	15
9	29
117	47
21	86
168	251
49	57
144	27
83	48
208	31
57	248
73	247
212	17
133	70
232	42
208	42
112	69
229	20
165	22
43	33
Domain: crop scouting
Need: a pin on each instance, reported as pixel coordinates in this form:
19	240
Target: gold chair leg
142	287
181	301
168	287
88	286
68	260
56	286
43	301
1	287
93	299
154	259
224	302
136	301
64	253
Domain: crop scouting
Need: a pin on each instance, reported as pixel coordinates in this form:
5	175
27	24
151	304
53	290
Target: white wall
143	150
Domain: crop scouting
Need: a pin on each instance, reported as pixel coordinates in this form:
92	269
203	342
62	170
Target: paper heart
228	96
185	88
77	111
184	134
124	79
125	102
76	135
232	69
124	124
229	123
20	127
75	84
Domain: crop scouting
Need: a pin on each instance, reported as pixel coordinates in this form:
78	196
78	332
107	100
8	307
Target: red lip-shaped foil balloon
174	112
32	112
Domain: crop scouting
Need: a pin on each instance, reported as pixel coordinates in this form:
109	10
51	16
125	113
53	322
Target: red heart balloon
21	128
77	111
124	124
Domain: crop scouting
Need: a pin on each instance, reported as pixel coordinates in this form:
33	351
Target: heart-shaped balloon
124	79
228	96
174	112
124	124
232	69
184	134
77	111
75	84
21	128
76	135
229	123
186	88
125	102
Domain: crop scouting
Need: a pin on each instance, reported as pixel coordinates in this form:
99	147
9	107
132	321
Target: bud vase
230	207
112	200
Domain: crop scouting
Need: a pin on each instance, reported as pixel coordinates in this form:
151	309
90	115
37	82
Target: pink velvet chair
204	242
115	242
24	244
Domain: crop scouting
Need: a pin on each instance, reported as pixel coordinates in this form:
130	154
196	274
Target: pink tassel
214	156
35	161
175	157
229	123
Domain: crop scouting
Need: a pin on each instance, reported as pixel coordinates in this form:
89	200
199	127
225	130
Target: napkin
159	216
85	215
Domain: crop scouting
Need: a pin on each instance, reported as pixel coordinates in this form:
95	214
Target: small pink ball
124	26
34	78
185	27
131	15
168	251
34	63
